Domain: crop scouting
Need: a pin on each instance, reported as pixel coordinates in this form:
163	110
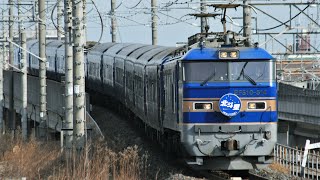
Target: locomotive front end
229	107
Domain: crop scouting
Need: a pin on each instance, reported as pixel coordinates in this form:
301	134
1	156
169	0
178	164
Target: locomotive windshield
252	71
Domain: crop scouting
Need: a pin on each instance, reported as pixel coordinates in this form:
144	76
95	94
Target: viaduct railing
291	158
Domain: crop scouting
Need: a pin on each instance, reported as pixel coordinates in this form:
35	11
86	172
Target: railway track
240	175
256	177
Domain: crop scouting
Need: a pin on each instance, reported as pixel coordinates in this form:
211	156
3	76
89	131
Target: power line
284	23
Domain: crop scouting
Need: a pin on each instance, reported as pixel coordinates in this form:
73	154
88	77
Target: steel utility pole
113	21
247	22
24	86
19	18
42	66
12	121
68	75
78	76
85	21
59	15
1	88
154	22
1	78
36	8
203	9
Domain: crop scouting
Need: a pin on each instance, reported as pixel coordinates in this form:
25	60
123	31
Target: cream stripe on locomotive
227	123
212	105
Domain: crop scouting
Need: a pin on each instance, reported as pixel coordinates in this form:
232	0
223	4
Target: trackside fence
291	158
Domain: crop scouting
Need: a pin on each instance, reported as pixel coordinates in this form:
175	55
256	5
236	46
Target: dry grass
39	160
279	168
20	159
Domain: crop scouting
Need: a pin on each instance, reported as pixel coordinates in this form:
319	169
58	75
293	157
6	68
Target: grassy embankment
44	160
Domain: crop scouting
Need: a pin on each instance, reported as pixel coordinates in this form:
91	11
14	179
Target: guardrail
291	158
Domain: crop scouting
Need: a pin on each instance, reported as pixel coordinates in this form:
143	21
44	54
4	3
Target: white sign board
306	150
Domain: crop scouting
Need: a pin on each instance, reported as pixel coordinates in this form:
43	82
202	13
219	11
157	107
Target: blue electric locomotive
228	100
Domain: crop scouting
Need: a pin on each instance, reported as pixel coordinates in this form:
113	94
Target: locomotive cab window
209	71
257	71
243	71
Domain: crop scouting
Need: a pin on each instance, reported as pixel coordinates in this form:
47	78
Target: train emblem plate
230	105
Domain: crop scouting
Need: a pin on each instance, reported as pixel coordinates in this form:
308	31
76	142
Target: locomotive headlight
223	54
207	106
252	105
234	54
228	54
256	105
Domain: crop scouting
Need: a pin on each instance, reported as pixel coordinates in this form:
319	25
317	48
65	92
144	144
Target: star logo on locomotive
230	105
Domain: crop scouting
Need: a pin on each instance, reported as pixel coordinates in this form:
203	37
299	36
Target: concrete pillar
154	22
24	87
247	23
42	68
78	77
68	76
113	21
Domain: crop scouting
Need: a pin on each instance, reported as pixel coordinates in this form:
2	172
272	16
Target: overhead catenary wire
99	14
101	23
119	5
133	6
139	11
32	22
284	23
52	20
136	11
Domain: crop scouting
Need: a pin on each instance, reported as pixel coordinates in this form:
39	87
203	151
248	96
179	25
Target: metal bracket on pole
29	52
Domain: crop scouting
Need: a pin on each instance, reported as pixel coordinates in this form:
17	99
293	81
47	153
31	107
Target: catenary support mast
1	77
12	122
78	76
42	67
154	22
68	75
247	22
24	86
113	21
59	17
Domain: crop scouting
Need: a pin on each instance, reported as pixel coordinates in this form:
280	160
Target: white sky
134	20
176	26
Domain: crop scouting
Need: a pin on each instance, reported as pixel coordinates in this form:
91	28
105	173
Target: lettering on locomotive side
251	92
